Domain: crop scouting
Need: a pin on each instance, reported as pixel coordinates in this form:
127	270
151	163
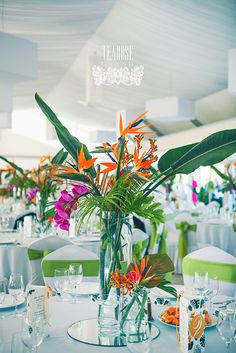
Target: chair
38	250
22	216
63	257
217	263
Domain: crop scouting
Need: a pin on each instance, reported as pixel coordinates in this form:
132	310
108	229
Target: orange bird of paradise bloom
132	127
139	162
82	164
45	158
142	270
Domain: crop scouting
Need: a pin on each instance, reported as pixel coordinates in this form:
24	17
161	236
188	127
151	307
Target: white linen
14	259
64	314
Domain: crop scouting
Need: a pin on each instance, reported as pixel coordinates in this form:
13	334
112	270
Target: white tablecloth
64	314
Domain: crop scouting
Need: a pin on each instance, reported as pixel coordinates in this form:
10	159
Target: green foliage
60	157
70	142
13	165
209	151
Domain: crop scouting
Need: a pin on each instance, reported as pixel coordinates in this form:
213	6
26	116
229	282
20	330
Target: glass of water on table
16	289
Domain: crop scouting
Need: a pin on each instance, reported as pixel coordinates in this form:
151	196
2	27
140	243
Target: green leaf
12	165
71	143
209	151
60	157
173	155
77	177
223	176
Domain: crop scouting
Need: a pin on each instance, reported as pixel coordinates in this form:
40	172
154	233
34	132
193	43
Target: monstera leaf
211	150
71	143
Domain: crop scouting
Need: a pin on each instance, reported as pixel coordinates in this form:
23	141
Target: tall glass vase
115	250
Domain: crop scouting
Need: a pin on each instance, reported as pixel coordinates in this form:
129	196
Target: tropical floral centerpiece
123	185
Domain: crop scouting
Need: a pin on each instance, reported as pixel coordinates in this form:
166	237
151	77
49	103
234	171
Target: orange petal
121	125
135	155
89	163
81	158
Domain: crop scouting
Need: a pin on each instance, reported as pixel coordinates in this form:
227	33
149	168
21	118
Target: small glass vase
108	314
135	308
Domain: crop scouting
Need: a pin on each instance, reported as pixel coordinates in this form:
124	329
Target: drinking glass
212	291
3	290
138	337
17	345
16	288
61	280
225	328
5	222
75	277
201	283
32	334
231	309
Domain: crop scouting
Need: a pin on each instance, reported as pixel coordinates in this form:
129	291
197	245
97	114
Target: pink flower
66	196
133	277
194	197
194	184
79	189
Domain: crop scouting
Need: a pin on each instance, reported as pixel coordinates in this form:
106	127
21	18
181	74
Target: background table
64	314
14	258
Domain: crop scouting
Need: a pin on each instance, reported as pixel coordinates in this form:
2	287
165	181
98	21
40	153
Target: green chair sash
234	227
90	267
224	272
163	247
184	227
34	254
138	248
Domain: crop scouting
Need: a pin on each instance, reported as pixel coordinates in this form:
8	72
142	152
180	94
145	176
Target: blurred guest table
14	255
65	313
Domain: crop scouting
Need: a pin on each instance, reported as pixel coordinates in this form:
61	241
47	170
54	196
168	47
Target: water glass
32	334
16	288
225	327
108	314
61	280
3	290
201	283
138	336
17	345
75	277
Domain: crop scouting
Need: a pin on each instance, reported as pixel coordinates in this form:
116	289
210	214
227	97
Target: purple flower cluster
66	204
31	193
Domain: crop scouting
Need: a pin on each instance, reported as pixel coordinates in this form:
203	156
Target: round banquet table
14	257
64	314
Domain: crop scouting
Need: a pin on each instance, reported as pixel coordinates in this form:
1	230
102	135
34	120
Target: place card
192	324
38	304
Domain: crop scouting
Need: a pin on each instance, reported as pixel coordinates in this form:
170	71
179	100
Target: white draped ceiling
181	44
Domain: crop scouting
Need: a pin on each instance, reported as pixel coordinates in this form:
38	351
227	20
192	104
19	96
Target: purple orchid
66	204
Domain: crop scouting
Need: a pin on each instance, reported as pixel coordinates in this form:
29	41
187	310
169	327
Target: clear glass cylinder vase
116	249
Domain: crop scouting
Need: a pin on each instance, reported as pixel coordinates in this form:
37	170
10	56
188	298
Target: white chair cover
208	255
69	253
50	242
